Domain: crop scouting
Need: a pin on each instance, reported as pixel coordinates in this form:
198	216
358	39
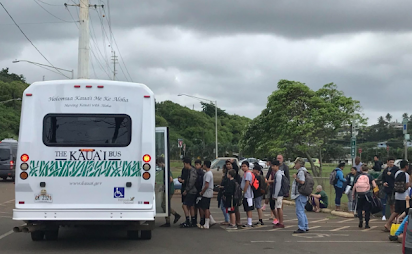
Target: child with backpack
337	180
259	193
232	194
363	191
401	188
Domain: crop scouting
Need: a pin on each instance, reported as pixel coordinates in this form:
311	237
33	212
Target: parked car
218	163
316	162
396	163
8	153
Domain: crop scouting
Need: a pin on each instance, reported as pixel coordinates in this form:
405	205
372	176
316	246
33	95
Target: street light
212	102
17	99
40	65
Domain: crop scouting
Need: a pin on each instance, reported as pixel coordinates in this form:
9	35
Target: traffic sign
180	143
360	150
387	148
353	147
184	147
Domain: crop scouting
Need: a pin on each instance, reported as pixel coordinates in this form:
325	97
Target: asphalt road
328	234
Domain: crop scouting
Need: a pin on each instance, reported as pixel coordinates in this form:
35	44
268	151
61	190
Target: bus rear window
4	154
87	130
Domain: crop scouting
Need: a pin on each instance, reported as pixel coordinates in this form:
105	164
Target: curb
326	210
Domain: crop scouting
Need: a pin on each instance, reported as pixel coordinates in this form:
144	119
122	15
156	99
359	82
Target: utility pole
43	77
114	59
84	41
405	132
353	142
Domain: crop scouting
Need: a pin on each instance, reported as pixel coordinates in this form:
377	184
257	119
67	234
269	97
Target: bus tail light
24	166
146	175
146	167
24	175
147	158
11	165
24	158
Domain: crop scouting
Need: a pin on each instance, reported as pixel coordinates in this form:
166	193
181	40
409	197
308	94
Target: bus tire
146	234
51	235
133	234
37	236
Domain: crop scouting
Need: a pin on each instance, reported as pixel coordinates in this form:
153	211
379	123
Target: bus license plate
43	198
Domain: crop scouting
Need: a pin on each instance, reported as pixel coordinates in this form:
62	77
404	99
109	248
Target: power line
37	23
56	5
112	34
49	12
29	39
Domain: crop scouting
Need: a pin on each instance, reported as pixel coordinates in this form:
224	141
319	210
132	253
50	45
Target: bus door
162	172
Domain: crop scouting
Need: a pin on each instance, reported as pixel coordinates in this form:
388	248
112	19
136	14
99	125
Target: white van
86	156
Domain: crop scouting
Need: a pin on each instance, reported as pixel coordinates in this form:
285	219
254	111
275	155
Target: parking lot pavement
328	234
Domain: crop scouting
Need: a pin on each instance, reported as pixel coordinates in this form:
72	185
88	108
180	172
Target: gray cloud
232	53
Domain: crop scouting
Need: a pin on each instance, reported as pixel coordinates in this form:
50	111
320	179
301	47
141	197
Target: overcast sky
234	52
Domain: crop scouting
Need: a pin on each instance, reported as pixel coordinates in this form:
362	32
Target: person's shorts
204	203
246	206
321	204
278	202
258	202
190	200
400	206
390	199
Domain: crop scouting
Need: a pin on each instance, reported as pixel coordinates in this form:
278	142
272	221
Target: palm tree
388	117
405	115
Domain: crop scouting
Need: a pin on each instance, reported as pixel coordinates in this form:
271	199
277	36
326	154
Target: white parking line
319	220
370	228
6	234
337	229
348	220
310	228
7	202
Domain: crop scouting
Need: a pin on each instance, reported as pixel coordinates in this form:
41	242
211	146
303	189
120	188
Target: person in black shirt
378	164
230	202
388	179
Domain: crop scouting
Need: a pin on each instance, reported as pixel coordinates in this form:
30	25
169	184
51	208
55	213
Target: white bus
86	156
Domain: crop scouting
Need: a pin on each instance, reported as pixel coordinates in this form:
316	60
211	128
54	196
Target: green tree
301	119
11	87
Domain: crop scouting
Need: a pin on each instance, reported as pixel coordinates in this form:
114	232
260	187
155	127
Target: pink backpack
362	185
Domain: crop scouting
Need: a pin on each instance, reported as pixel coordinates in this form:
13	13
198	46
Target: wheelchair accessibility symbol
118	192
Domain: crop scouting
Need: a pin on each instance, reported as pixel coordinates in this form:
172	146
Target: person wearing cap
300	200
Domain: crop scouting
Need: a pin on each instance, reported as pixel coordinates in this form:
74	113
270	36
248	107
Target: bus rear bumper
82	215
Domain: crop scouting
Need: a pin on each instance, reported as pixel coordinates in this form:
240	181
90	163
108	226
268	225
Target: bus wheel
52	235
133	234
37	236
146	234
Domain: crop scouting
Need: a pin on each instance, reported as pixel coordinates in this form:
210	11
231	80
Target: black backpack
285	188
400	183
199	180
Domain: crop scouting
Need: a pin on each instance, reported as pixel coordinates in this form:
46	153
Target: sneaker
279	226
275	221
166	225
177	218
393	238
367	226
231	227
299	231
247	226
384	217
360	224
185	225
259	223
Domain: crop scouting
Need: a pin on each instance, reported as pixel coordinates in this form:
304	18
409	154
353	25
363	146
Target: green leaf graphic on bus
85	168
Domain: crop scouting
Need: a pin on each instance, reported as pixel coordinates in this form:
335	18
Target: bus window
65	130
